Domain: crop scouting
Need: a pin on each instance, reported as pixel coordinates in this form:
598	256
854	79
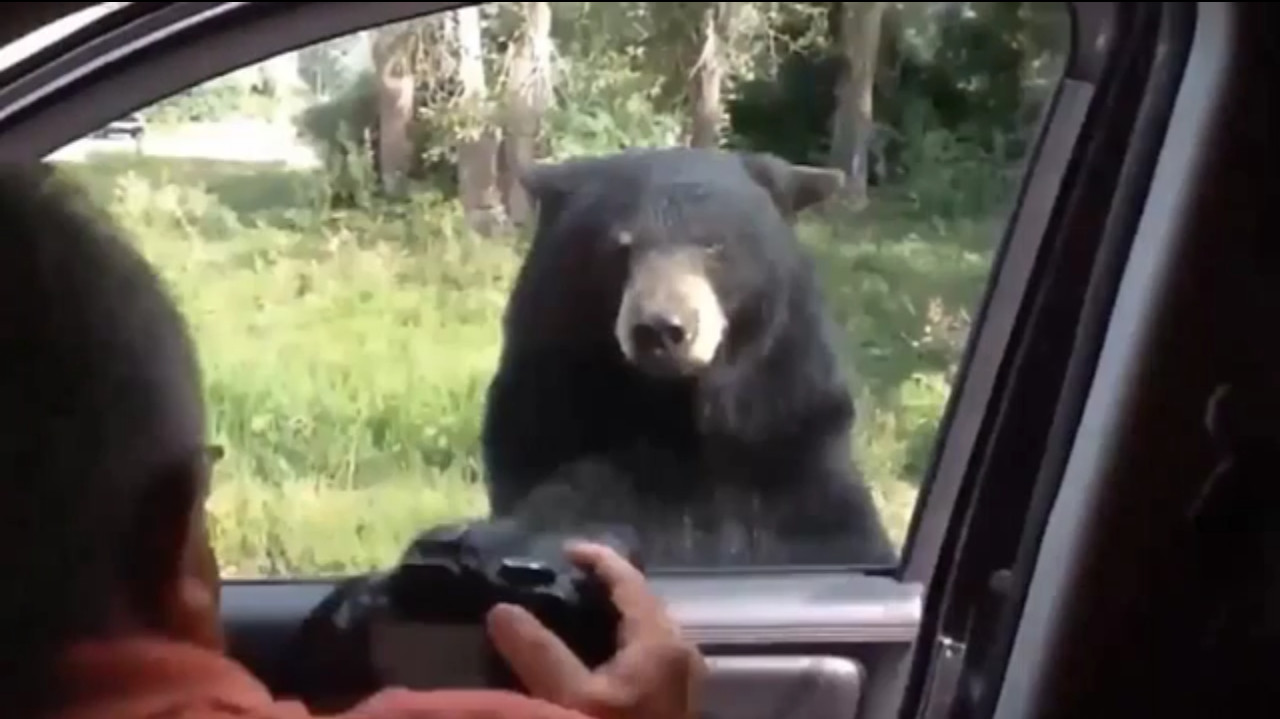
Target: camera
430	629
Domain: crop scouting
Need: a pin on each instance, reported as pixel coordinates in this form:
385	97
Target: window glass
344	227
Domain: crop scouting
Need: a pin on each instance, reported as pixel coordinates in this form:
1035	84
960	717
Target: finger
627	586
643	613
670	673
612	568
544	665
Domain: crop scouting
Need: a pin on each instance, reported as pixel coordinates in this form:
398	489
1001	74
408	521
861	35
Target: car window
746	355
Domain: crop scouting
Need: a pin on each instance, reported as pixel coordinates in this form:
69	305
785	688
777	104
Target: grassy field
346	355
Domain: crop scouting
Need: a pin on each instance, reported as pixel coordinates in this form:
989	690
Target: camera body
452	575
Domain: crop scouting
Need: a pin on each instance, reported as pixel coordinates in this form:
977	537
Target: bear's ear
549	185
794	188
813	185
544	181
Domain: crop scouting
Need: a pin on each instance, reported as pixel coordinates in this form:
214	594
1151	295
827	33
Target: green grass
346	356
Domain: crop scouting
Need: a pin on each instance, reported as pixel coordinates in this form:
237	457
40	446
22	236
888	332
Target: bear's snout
671	321
658	334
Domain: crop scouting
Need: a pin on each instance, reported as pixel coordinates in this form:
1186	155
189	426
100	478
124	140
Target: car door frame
113	67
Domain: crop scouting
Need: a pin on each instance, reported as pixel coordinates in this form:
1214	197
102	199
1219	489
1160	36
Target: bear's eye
713	254
624	238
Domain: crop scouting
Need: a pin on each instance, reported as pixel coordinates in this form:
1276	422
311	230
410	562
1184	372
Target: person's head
103	465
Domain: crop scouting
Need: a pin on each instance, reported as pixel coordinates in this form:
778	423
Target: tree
477	138
393	68
857	34
528	94
706	105
692	45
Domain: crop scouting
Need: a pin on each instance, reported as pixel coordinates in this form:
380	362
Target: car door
349	322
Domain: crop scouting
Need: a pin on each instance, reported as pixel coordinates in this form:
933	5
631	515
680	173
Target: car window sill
783	608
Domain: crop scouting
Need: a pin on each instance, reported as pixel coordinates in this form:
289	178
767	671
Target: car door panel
769	634
793	686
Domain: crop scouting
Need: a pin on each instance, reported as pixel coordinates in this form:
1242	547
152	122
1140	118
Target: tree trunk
853	123
528	94
394	153
706	103
477	142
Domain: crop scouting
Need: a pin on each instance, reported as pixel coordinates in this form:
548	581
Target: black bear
668	361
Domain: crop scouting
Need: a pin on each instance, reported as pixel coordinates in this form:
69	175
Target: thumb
544	665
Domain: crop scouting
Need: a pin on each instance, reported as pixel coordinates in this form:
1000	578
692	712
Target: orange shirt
159	679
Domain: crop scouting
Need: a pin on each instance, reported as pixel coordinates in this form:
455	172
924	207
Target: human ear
175	583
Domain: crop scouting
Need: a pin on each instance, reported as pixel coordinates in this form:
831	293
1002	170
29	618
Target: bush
604	105
342	131
210	102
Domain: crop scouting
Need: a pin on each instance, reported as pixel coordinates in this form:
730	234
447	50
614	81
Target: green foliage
605	105
787	114
959	93
342	130
210	102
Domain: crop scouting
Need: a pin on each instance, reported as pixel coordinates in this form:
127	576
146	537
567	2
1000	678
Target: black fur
748	463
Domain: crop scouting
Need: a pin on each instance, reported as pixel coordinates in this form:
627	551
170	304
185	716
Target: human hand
655	673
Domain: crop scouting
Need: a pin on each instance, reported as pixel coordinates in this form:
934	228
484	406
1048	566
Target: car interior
1094	533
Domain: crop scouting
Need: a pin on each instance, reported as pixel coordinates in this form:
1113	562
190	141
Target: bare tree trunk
853	123
528	95
478	142
394	153
706	103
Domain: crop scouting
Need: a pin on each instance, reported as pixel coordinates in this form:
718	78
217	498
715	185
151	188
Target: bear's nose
658	333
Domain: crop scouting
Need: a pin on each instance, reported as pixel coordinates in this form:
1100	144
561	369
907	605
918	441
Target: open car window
334	193
344	224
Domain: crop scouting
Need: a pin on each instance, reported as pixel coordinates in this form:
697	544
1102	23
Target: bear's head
691	253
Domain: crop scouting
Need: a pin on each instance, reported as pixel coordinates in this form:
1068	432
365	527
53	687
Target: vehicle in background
132	126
